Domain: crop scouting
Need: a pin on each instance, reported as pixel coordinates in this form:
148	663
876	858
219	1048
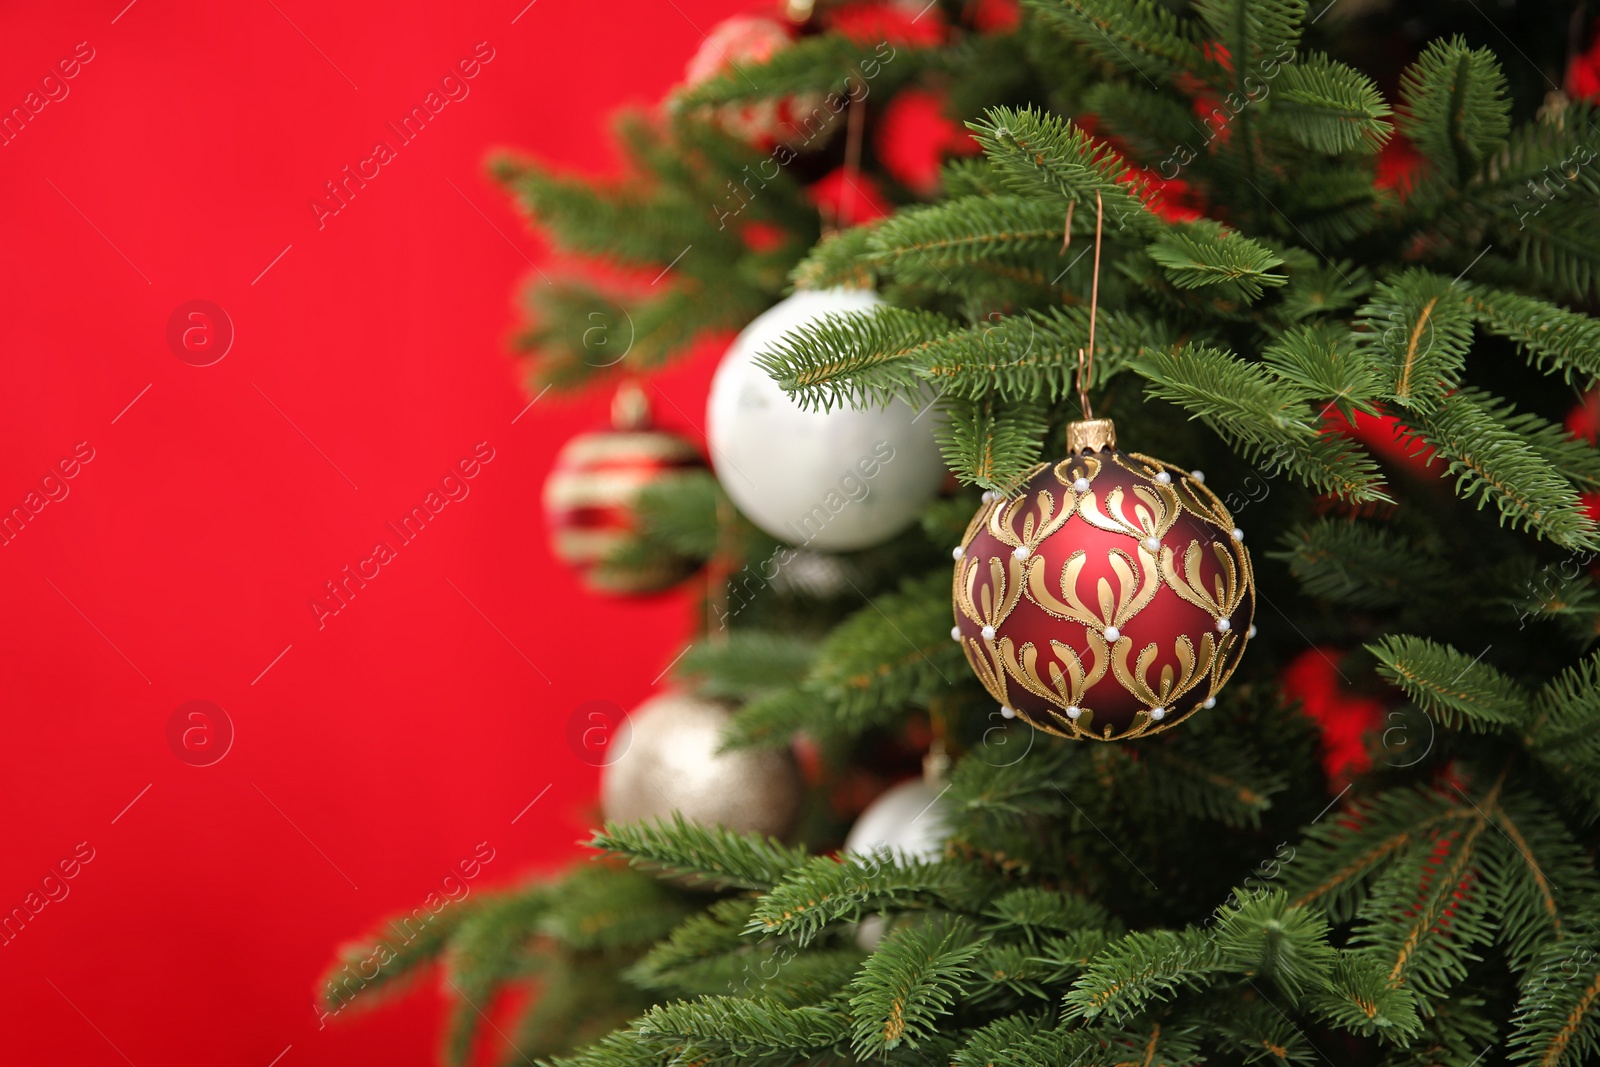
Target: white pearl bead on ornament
955	633
1252	631
1163	477
1158	714
1022	552
1112	633
1238	534
1211	702
1007	713
957	552
1199	476
988	633
1153	544
1081	485
1224	625
1074	712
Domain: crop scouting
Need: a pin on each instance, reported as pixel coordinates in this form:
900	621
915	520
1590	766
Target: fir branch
1331	107
771	720
605	907
1562	735
1263	416
893	652
484	951
1326	366
1319	287
1027	1041
1418	330
1140	36
911	980
1034	356
1557	1022
749	663
678	512
826	890
707	935
855	359
1341	856
1490	461
810	67
970	231
989	444
711	854
736	1031
839	259
1267	936
1428	912
1254	33
1540	877
1139	968
1039	155
1459	691
1551	337
1359	996
399	959
1205	254
1363	565
1034	912
1455	108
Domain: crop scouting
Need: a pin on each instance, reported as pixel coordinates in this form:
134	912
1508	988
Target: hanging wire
1086	360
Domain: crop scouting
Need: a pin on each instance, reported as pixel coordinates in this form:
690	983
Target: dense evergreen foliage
1207	895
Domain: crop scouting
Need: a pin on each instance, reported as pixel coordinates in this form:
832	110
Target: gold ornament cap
1090	435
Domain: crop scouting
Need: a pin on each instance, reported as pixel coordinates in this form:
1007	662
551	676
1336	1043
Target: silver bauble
672	764
906	824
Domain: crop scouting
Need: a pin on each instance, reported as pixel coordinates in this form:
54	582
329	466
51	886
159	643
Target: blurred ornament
1109	598
847	199
996	16
591	493
829	480
916	135
1346	721
812	574
1583	72
748	41
672	764
906	824
874	23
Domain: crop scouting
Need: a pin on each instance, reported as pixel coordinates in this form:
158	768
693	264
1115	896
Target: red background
377	751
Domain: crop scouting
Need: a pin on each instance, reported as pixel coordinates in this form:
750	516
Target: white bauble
907	822
829	480
671	763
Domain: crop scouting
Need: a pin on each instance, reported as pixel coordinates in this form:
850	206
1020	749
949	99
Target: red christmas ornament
590	495
733	45
915	137
1346	722
1109	598
1583	73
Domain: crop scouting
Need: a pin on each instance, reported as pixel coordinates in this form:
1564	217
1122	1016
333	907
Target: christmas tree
1340	261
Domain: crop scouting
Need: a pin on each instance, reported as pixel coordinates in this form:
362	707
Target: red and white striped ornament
591	493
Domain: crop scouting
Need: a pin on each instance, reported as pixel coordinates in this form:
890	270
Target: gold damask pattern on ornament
1145	514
